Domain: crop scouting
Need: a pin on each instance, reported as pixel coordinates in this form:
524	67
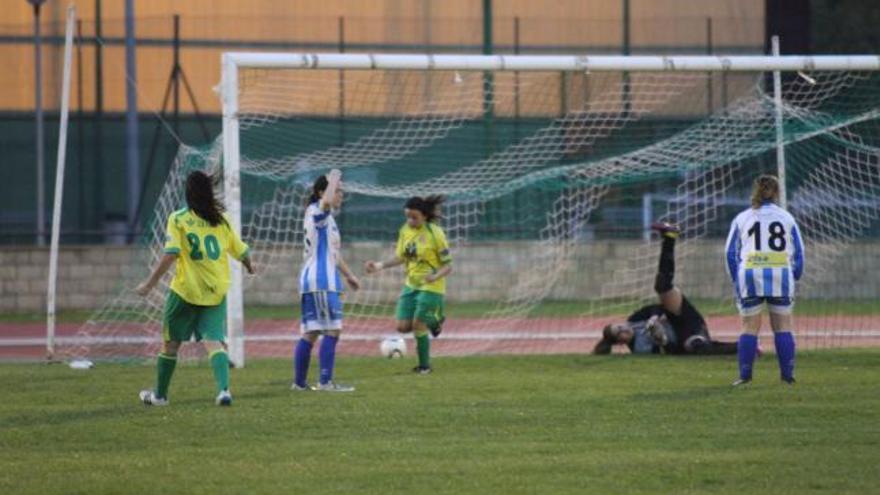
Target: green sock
164	369
220	365
423	346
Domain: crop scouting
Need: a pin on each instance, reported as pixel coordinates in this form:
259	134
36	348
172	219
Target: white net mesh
551	179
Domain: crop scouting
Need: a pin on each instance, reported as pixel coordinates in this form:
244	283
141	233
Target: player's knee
662	283
213	345
311	336
404	326
780	322
170	347
751	324
419	328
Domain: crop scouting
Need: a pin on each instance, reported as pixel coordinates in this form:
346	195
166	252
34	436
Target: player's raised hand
371	267
334	174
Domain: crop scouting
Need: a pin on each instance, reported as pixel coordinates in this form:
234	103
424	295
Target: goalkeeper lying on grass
672	327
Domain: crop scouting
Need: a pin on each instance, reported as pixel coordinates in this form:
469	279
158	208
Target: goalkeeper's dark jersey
690	322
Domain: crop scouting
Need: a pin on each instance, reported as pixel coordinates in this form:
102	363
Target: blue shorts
751	306
321	311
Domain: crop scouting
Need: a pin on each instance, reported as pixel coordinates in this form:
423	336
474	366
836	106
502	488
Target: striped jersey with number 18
765	253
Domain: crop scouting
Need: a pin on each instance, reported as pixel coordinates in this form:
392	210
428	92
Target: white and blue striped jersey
320	252
765	253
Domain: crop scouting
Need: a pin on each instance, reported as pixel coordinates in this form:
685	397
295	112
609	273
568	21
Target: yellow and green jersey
424	250
202	272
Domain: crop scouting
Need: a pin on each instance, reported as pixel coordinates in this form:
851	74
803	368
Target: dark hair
607	342
200	198
429	205
765	188
317	189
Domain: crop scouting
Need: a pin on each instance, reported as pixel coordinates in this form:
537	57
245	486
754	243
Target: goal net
553	168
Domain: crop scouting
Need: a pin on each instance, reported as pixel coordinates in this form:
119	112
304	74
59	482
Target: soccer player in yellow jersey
198	240
423	249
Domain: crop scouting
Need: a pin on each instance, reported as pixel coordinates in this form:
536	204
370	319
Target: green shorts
182	320
420	305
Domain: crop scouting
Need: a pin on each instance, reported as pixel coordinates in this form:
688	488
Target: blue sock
302	354
785	353
327	357
745	353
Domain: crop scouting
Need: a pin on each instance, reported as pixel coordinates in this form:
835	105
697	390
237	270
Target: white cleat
298	388
334	387
224	398
150	399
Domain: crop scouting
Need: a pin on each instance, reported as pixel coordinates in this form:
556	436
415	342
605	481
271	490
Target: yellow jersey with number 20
202	271
424	250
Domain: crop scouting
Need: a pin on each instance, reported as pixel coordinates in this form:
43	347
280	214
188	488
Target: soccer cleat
666	229
334	387
742	381
301	388
150	399
435	332
789	380
422	371
224	398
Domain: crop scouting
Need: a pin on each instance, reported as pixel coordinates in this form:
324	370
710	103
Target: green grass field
536	424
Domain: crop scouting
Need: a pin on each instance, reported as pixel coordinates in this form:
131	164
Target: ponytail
429	206
765	188
317	189
200	198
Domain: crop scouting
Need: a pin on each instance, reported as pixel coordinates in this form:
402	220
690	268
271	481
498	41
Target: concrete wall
89	275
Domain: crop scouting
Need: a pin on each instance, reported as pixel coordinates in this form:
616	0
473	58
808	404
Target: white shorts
321	311
751	306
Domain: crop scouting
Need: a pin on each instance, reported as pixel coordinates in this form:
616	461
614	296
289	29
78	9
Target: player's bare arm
353	282
376	266
160	269
333	180
442	272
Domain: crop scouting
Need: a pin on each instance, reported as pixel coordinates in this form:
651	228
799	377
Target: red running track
274	338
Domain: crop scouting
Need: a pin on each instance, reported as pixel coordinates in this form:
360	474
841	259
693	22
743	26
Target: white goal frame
232	62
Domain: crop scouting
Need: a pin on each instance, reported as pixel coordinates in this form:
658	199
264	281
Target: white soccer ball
393	347
81	364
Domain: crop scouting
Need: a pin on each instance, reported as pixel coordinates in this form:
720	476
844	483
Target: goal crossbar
391	61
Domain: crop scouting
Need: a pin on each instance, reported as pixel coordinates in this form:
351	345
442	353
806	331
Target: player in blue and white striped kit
320	284
765	258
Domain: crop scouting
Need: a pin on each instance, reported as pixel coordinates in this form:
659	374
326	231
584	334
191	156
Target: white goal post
233	62
52	284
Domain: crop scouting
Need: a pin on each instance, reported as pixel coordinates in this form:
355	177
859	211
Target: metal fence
178	65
